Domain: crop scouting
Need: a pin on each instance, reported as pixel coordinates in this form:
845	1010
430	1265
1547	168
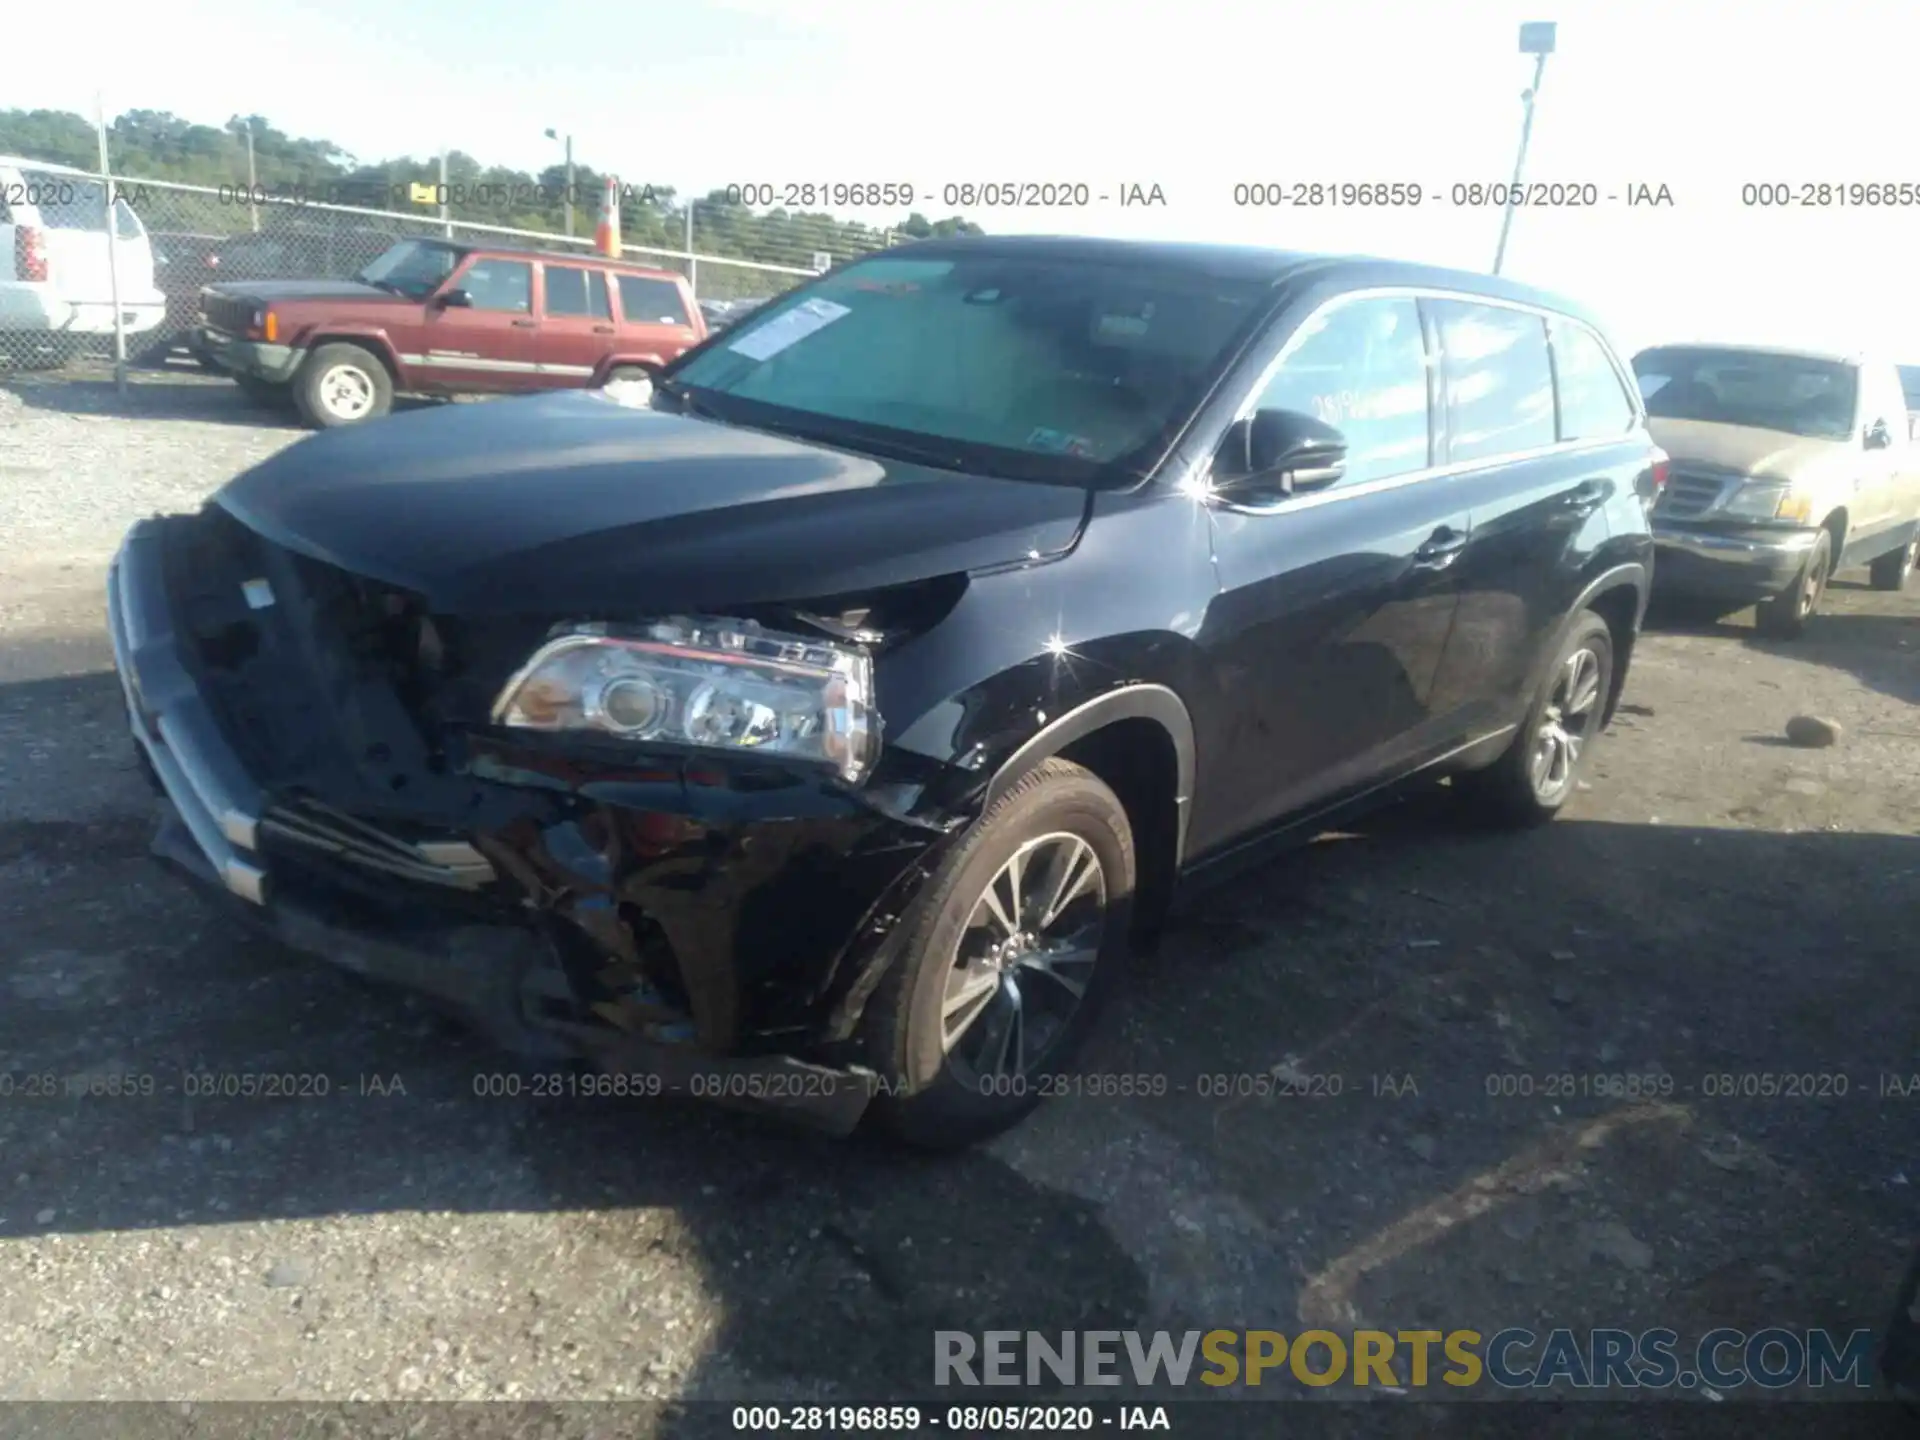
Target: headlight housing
718	684
1766	500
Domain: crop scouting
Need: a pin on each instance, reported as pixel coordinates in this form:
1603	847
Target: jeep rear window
647	301
413	268
1081	364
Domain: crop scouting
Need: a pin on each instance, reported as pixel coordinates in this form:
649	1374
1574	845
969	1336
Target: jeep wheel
1891	570
1785	616
1003	961
342	384
1540	771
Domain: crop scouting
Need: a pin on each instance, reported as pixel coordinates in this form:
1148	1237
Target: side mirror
1878	436
455	300
1283	451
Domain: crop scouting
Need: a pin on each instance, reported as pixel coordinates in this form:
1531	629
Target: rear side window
65	202
1593	402
572	291
647	301
1499	382
499	285
1361	368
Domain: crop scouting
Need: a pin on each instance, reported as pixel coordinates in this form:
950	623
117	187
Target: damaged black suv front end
460	805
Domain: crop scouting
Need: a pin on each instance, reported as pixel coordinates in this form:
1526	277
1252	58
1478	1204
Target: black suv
826	722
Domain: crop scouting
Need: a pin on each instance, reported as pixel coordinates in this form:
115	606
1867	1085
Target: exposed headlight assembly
725	685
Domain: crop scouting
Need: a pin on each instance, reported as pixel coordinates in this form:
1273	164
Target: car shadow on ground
1880	650
1409	946
169	393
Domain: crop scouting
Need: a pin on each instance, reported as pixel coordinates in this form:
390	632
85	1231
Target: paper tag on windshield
788	329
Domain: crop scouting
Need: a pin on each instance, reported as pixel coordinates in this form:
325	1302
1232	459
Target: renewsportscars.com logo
1513	1359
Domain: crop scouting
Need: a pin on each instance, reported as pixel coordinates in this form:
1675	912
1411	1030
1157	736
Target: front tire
342	384
1891	570
1785	616
1541	769
1003	961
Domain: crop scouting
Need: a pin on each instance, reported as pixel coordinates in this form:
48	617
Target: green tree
159	145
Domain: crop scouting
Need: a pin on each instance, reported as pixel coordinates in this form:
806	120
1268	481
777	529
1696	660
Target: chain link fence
108	266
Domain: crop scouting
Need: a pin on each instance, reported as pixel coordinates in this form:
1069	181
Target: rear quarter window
65	202
1594	404
645	300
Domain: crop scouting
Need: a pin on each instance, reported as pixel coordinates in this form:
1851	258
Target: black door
1335	604
1540	480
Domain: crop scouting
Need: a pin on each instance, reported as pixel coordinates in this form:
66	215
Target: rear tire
1891	570
1541	769
628	375
997	979
1785	616
342	384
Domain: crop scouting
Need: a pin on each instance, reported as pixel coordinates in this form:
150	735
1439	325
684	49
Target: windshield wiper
682	395
897	449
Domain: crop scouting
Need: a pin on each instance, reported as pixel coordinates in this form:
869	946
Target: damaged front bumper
714	930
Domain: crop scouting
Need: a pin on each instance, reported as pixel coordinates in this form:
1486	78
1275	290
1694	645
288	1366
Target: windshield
414	268
1029	368
1796	394
1910	383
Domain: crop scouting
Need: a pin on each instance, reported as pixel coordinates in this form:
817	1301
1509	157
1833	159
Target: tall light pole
253	184
553	135
1536	39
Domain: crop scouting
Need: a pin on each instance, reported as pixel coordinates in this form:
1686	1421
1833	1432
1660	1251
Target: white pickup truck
56	287
1788	466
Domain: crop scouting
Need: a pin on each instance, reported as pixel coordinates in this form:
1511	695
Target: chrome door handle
523	324
1441	549
1585	497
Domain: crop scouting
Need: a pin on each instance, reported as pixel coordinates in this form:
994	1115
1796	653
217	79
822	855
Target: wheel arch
1835	524
1139	740
1618	595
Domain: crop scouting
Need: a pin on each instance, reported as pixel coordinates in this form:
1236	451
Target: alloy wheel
1571	716
346	391
1025	959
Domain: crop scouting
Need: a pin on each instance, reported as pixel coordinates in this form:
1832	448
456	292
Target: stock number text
1767	194
801	193
1316	193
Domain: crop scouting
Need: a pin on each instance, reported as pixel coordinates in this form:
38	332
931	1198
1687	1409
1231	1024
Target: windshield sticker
788	329
1058	442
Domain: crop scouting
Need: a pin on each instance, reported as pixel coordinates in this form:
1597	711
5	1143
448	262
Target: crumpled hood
576	503
1745	450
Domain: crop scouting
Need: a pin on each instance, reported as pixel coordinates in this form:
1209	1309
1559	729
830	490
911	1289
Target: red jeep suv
436	317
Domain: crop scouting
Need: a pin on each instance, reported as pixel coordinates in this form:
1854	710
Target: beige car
1787	467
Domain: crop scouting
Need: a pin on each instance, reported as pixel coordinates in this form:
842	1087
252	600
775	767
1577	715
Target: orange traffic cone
606	235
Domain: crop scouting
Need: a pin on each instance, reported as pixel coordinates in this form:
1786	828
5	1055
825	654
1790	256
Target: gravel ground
1716	903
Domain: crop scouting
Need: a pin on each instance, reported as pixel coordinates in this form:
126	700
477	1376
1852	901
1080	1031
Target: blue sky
1194	96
